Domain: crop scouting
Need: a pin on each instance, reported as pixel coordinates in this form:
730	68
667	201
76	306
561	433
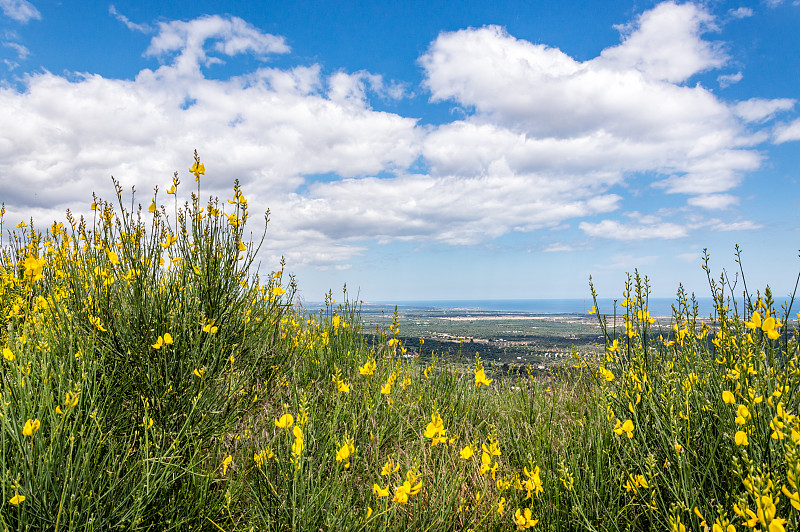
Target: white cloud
713	201
20	10
726	80
141	28
544	139
761	110
22	51
664	43
745	225
787	132
615	230
448	209
538	110
231	36
61	138
742	12
558	247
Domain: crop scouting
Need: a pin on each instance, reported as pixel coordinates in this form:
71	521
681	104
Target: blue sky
423	151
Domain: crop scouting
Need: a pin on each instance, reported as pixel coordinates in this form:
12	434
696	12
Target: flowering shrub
151	380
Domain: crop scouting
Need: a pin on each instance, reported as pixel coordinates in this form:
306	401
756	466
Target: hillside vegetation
152	381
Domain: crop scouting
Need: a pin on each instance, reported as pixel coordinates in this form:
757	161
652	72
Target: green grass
106	427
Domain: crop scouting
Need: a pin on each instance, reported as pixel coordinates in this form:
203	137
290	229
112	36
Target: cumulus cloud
62	137
664	43
627	111
787	132
20	10
230	36
761	110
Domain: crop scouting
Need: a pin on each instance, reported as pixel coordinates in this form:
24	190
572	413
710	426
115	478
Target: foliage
152	382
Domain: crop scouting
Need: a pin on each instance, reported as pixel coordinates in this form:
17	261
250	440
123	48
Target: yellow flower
159	343
389	467
167	338
171	190
770	326
534	482
171	239
594	310
466	453
8	355
403	491
97	323
31	426
524	519
493	449
285	421
368	368
501	505
480	378
613	347
152	207
607	374
276	291
209	328
486	461
33	268
755	322
17	499
341	385
112	257
741	438
297	445
225	463
435	430
626	427
794	498
742	415
197	169
379	491
727	397
344	454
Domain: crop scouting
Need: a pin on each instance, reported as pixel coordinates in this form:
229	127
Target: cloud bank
545	139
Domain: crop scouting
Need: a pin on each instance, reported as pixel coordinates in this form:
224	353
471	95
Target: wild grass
151	381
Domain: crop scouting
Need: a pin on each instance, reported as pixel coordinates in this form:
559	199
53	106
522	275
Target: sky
427	150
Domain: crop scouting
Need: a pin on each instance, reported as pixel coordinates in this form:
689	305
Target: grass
151	381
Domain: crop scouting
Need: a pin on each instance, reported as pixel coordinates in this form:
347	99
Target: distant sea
657	306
